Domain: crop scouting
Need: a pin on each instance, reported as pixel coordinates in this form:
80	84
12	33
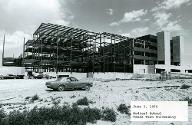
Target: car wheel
61	88
87	88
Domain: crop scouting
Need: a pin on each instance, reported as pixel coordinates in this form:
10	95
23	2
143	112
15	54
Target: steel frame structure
57	48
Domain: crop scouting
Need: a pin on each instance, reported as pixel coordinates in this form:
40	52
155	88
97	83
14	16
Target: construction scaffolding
57	48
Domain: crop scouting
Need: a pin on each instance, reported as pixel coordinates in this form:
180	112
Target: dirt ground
14	94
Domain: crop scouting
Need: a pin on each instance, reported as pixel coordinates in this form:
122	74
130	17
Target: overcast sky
20	18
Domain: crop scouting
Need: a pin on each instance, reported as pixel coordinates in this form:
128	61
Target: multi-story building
177	50
167	53
60	48
145	50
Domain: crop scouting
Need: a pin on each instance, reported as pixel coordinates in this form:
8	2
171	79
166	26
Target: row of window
146	62
145	54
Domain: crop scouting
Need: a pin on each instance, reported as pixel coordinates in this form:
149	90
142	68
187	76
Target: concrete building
163	48
177	50
167	54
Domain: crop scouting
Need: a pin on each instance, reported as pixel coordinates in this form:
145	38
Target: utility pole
3	50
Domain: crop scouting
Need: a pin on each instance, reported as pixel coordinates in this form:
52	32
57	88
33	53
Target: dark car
10	76
1	77
71	83
40	76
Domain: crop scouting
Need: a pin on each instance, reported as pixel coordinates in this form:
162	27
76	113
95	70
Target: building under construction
61	48
57	48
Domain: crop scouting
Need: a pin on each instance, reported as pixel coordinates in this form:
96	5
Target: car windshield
61	79
73	79
67	78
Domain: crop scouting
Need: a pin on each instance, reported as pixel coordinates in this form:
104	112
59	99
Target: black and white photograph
95	62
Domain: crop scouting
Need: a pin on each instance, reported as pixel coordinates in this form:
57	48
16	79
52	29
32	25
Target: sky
20	18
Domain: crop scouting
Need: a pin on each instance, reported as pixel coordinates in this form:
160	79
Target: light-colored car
70	83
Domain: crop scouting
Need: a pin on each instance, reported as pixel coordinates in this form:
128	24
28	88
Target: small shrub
187	99
83	101
184	86
27	98
2	114
109	115
56	102
53	122
56	115
74	105
91	115
92	102
34	98
14	118
123	109
73	96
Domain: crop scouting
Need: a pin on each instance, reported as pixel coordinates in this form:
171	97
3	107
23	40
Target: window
68	79
137	61
61	79
139	53
73	79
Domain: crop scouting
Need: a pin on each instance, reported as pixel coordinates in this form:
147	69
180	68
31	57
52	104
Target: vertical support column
178	50
144	42
182	50
83	55
23	52
133	61
49	61
124	61
114	56
103	52
163	41
71	42
57	57
24	48
41	58
94	50
32	50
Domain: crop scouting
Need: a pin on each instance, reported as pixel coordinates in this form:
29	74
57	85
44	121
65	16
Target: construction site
57	48
60	48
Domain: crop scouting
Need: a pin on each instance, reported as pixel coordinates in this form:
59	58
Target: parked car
71	83
10	76
60	76
20	76
1	77
42	76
